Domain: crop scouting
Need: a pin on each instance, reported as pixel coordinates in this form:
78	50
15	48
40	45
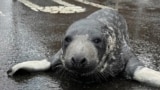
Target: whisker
103	76
98	77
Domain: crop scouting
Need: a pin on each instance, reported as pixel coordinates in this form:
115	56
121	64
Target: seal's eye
97	40
68	39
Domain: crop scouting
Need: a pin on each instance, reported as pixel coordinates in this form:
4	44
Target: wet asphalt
29	35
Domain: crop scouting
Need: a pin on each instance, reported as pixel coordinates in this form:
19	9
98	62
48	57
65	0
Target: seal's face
83	47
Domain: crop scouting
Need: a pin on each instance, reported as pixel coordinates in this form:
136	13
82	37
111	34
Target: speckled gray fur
117	57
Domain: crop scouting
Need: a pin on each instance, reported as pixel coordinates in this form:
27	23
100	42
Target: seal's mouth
80	72
80	69
86	74
93	76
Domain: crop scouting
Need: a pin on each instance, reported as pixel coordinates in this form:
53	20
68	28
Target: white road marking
93	4
31	5
66	8
63	3
1	13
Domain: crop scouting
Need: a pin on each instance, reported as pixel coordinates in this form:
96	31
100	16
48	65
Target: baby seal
94	49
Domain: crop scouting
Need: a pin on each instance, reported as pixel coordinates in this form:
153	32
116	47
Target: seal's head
84	46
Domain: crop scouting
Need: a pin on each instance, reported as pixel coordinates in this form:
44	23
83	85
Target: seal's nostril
73	60
78	60
83	61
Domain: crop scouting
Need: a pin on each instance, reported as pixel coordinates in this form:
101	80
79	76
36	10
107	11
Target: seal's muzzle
78	64
80	55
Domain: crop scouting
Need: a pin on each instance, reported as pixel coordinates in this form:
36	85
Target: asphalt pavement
33	30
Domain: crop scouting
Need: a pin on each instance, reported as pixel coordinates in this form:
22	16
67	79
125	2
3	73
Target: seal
94	49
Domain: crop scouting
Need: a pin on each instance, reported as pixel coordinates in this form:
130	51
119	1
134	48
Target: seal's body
93	49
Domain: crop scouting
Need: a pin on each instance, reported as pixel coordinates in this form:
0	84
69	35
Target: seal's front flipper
30	66
137	71
41	65
55	60
148	76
